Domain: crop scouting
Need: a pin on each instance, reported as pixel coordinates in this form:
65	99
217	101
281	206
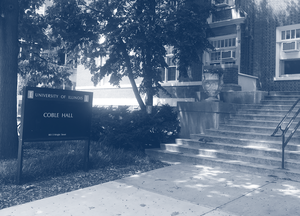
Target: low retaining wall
196	117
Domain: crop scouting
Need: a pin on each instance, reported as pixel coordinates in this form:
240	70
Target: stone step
242	143
245	142
276	118
238	165
277	102
266	112
275	93
261	157
262	144
282	97
259	123
253	150
246	135
267	107
254	129
246	128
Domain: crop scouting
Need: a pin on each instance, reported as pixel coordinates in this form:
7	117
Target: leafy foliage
136	33
187	32
134	130
40	54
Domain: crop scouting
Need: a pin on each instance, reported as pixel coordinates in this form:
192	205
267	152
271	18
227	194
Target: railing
284	131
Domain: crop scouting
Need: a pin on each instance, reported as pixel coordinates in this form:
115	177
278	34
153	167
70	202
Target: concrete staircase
243	142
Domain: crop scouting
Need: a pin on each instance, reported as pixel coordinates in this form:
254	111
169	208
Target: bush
134	130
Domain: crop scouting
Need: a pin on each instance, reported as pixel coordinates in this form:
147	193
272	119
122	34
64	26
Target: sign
54	114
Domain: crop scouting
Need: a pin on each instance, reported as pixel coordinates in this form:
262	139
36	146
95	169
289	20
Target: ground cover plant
52	168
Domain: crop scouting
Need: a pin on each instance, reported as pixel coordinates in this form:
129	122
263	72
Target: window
171	73
215	56
290	34
228	54
224	57
298	33
287	53
225	51
231	42
171	70
292	67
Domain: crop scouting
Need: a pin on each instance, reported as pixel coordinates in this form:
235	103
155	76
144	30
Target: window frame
166	70
231	46
285	52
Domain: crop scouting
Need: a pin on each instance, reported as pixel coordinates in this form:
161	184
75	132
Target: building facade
257	41
270	43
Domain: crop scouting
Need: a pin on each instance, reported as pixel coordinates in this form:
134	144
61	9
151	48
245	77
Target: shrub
134	130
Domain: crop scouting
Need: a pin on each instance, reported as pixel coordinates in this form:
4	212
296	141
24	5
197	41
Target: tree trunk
130	76
148	83
149	100
148	67
148	80
8	78
135	90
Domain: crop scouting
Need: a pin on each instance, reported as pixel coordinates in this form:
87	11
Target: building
258	42
227	24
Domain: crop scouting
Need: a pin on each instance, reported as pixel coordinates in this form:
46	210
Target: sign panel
54	114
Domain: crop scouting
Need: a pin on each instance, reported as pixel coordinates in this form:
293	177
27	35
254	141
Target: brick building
271	44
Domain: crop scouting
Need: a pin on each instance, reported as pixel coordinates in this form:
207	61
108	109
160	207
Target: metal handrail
284	131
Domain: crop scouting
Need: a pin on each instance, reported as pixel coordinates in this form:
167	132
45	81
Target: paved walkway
176	190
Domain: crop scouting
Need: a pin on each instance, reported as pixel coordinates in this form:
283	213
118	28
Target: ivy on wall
259	40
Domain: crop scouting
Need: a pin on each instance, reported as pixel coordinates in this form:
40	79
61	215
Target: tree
23	37
8	77
136	33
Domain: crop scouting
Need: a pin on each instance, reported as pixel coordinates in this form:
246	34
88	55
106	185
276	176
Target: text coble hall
57	115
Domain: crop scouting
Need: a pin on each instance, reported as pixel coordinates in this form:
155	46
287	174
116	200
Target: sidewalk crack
219	207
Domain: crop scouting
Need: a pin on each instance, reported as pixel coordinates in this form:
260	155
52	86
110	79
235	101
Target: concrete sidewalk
175	190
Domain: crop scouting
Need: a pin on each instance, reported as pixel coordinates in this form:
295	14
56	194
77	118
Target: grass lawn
52	168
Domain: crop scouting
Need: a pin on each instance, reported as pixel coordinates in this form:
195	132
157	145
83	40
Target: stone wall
196	117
